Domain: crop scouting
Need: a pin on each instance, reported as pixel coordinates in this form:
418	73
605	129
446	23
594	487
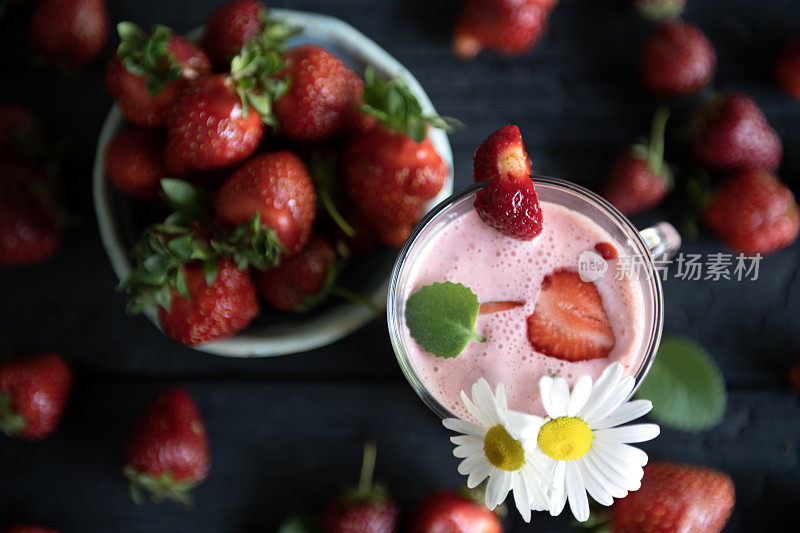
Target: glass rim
633	233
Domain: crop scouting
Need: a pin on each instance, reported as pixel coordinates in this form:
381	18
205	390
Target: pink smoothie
498	268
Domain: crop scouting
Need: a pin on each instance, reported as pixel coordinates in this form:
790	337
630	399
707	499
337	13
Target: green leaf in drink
441	318
685	386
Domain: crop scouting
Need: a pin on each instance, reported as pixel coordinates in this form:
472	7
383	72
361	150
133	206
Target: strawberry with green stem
639	178
148	72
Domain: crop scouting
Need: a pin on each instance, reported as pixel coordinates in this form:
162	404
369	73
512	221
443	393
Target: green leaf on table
441	318
685	386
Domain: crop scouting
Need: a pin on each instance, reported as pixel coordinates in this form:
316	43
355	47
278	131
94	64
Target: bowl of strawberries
255	178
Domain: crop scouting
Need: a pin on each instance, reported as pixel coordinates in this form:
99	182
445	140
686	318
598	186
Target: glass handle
662	239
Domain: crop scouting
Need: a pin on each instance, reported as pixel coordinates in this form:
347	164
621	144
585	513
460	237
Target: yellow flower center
565	438
502	450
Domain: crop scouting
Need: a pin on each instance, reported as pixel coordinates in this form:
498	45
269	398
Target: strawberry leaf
251	245
441	318
685	386
147	55
11	422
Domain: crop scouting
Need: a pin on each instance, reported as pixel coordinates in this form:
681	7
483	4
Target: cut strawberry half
569	322
488	308
501	154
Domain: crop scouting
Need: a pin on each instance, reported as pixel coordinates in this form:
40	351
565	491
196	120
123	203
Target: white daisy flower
584	449
501	447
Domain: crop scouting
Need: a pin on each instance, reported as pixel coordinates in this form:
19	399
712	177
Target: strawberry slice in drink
569	321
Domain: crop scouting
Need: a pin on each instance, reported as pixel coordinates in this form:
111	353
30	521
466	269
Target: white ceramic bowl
282	333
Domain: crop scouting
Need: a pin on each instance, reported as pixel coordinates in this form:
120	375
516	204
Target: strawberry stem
655	153
367	468
360	299
334	213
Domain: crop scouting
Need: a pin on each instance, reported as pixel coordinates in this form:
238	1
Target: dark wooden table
286	431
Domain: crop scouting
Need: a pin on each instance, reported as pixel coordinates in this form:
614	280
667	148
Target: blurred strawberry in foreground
69	33
366	508
30	231
509	26
678	59
148	72
20	131
754	212
27	529
731	132
33	394
166	453
787	68
301	281
639	178
392	170
323	97
508	202
676	497
794	377
448	512
135	162
660	9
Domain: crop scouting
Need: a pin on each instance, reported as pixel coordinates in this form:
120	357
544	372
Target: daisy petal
559	497
465	451
612	483
470	464
545	386
559	398
523	426
576	493
500	396
624	476
624	452
462	426
480	473
483	398
580	393
521	497
611	401
624	414
497	489
603	387
593	486
474	410
629	434
466	440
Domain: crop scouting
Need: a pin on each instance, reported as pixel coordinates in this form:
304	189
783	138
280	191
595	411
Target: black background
286	431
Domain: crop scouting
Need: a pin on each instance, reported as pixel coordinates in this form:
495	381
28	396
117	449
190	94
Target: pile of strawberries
249	132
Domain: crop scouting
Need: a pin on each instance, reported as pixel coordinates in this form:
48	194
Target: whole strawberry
301	281
449	512
148	72
275	187
135	162
366	508
639	178
508	202
29	231
393	170
323	97
33	394
166	453
212	310
20	131
678	59
787	68
676	497
69	33
27	529
660	9
731	133
509	26
754	212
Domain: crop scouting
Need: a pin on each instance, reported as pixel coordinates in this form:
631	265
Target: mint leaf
441	318
685	386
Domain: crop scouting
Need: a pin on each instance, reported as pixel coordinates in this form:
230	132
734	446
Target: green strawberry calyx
159	488
652	149
252	244
396	107
658	10
11	422
147	55
254	71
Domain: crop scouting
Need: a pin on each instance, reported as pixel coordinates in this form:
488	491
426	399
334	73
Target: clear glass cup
660	241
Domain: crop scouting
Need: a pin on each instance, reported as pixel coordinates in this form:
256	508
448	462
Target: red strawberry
28	229
639	178
501	153
20	131
135	162
510	26
362	509
323	98
207	129
794	377
278	188
166	453
732	133
678	59
755	212
569	321
229	27
299	282
213	310
448	512
606	249
676	497
148	72
393	170
787	69
28	529
33	393
488	308
69	32
660	9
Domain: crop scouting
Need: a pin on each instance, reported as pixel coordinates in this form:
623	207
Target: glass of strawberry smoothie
539	276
